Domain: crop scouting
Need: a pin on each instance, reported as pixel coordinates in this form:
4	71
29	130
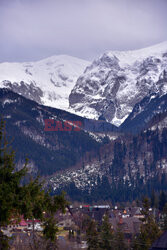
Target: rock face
112	85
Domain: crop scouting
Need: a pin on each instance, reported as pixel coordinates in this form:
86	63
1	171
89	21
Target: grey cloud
34	29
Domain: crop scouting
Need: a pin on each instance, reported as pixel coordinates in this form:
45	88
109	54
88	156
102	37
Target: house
160	243
128	225
17	225
136	212
95	213
65	220
24	225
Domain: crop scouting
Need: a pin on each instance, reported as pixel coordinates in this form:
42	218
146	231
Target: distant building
135	212
23	224
95	212
129	225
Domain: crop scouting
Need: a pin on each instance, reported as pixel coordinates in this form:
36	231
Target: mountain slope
48	151
47	82
115	82
143	113
125	169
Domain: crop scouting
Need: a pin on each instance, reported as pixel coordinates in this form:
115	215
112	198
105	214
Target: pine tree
10	191
154	200
149	230
119	240
164	224
92	236
162	200
106	234
29	200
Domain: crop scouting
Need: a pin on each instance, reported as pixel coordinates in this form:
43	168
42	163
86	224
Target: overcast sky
34	29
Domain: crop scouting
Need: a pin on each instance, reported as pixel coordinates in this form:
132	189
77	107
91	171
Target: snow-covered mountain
111	86
47	81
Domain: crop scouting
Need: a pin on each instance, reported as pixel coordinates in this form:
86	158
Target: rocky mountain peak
116	81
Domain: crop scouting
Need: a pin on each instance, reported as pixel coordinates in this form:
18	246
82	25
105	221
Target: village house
24	225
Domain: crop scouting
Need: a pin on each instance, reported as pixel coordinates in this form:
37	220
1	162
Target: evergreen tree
29	200
119	240
149	230
10	191
153	198
162	200
164	214
106	234
92	236
49	232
